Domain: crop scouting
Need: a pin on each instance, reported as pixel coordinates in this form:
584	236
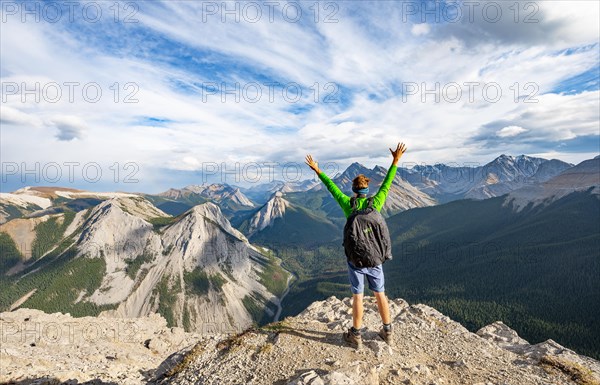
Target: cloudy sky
143	96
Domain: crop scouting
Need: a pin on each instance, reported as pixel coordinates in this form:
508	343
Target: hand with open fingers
313	164
397	154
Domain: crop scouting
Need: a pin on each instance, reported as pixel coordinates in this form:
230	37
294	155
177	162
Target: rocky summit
427	348
47	349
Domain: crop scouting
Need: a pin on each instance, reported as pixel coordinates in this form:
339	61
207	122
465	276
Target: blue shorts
374	277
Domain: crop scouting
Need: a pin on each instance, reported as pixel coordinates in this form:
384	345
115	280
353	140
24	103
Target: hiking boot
386	336
352	339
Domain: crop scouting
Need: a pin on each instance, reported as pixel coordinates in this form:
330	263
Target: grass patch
578	373
168	250
138	282
265	349
276	327
217	281
88	213
234	342
187	360
196	282
227	268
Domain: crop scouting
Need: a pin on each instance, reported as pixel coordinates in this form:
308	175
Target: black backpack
366	236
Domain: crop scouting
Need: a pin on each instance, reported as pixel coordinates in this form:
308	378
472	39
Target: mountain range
498	177
223	255
125	257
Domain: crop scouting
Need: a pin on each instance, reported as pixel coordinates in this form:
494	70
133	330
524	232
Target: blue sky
196	91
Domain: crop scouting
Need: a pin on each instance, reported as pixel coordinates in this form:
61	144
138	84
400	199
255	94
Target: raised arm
397	154
342	199
312	164
380	197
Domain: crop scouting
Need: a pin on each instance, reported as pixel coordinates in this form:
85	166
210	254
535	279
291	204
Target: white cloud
11	115
552	126
370	54
580	18
420	29
510	131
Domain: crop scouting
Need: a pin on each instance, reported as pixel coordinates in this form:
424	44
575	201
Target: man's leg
353	336
357	310
376	280
384	310
357	287
377	283
383	306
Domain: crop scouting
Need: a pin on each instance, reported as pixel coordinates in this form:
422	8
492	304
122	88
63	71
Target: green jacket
344	200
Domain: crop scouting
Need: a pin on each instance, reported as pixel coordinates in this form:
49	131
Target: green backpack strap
354	200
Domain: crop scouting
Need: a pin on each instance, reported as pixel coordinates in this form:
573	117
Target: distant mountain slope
124	257
537	268
40	201
279	222
273	209
219	192
584	176
176	201
31	238
21	203
263	191
498	177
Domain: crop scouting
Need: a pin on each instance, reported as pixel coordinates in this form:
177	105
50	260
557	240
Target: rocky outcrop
39	348
508	339
428	348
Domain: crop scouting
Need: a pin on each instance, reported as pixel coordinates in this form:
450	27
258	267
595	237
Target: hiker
374	274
